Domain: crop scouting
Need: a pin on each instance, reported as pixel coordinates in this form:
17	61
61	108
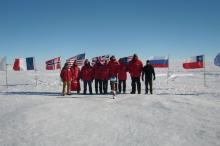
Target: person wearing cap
113	66
97	70
66	77
149	73
87	76
135	68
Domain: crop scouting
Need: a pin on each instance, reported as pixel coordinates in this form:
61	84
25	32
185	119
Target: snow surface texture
180	113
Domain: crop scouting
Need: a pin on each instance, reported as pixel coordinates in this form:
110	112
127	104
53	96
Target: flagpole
60	72
204	72
6	73
35	70
168	69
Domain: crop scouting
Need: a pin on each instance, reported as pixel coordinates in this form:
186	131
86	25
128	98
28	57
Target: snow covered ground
180	113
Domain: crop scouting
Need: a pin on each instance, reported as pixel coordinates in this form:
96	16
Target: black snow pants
136	81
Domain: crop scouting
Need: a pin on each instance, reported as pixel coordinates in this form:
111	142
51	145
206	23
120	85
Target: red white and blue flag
80	58
159	61
126	60
24	64
102	59
194	62
53	64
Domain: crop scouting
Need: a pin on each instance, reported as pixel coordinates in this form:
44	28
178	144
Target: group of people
113	71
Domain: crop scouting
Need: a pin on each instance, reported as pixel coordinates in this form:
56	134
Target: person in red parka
66	77
87	76
113	66
97	70
135	67
105	76
75	84
122	75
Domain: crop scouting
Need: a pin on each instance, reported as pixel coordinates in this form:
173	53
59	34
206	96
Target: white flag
3	64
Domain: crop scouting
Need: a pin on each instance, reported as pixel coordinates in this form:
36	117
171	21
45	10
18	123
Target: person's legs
105	86
113	88
90	86
146	86
78	86
124	86
96	86
133	86
100	86
64	88
106	91
116	86
85	87
69	87
151	89
138	85
113	81
119	86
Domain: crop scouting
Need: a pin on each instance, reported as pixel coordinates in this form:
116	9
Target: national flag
159	61
102	59
78	58
194	62
3	64
217	60
53	64
126	60
24	64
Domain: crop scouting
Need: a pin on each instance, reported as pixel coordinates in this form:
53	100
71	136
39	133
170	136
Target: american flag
80	58
53	64
102	59
126	60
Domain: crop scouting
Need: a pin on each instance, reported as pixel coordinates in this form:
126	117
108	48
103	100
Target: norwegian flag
102	59
126	60
53	64
80	58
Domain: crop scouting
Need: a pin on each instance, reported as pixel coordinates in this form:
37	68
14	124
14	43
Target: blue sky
50	28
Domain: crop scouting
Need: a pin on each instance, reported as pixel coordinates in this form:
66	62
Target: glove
154	78
142	79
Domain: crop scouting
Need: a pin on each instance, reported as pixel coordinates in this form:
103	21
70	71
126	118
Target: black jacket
148	72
